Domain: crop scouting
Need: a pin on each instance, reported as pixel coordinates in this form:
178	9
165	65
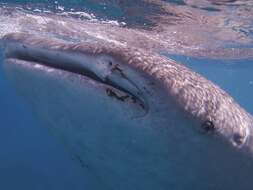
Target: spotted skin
213	109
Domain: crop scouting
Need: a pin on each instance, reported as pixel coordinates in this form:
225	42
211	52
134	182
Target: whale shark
117	109
130	117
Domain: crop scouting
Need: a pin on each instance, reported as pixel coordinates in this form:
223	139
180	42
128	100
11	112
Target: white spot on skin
38	66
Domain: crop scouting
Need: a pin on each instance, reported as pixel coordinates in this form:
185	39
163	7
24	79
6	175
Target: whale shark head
130	116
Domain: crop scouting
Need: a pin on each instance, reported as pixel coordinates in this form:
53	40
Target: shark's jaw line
100	68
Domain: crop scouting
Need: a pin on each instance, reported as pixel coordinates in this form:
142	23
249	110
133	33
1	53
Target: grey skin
212	108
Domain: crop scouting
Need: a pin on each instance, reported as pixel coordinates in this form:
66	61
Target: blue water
31	158
234	76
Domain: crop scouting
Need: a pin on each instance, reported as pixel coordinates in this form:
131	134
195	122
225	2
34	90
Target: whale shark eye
208	126
238	139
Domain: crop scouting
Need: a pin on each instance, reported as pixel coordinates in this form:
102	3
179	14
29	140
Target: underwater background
30	158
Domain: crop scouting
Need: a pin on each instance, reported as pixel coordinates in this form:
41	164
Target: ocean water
233	75
30	158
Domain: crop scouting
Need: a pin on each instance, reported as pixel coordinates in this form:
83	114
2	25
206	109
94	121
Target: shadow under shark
133	119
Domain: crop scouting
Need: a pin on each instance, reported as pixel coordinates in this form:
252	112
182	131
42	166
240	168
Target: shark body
120	67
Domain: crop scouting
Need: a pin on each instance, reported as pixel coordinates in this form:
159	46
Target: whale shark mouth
118	80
